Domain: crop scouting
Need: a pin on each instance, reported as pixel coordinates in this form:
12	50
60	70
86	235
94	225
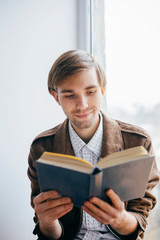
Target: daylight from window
132	32
133	63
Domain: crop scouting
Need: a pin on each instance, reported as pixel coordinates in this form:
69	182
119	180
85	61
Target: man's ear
103	90
55	95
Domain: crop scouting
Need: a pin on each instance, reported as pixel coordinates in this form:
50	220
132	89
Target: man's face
80	97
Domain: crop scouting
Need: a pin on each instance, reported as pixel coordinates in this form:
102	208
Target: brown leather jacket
116	135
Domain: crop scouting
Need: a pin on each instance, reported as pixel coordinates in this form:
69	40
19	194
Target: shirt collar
95	143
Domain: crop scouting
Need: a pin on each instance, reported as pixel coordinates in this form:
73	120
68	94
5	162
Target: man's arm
49	207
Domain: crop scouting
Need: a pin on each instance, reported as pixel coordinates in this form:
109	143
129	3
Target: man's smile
83	115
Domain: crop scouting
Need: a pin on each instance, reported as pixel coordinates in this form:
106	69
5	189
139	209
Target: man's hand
115	215
49	207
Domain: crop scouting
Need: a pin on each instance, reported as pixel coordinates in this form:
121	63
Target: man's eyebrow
67	91
71	91
92	86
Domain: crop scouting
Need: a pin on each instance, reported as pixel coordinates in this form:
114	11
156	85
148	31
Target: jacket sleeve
32	174
35	153
140	208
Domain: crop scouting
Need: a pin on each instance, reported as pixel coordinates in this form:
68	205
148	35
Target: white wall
33	34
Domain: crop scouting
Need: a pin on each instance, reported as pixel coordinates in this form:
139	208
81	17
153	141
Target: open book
126	172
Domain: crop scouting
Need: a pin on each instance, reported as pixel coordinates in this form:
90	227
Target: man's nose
82	103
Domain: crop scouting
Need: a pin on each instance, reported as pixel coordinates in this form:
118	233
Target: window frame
84	25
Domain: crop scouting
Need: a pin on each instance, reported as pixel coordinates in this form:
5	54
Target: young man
77	83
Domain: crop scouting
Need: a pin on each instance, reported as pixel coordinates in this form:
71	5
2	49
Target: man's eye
69	96
90	92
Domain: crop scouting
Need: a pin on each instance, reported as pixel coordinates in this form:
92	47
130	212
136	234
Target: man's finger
58	212
117	203
49	204
99	217
44	196
104	206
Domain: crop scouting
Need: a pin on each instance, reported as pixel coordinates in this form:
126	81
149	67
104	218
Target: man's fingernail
109	191
55	193
67	200
70	205
86	203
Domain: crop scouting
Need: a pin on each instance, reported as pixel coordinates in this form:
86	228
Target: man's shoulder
131	128
46	134
125	127
44	141
49	134
49	139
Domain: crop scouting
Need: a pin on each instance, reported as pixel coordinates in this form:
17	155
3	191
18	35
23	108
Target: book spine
96	185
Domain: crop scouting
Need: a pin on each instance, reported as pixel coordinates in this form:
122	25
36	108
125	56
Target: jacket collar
112	138
62	143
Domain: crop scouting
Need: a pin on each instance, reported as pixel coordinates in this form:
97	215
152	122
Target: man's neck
86	134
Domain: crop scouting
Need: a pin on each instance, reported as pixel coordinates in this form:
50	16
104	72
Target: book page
123	156
66	161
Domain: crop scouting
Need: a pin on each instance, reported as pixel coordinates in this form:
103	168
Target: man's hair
71	62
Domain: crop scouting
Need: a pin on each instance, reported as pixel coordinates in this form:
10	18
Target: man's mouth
83	115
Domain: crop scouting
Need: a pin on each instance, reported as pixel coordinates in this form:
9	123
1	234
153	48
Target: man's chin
84	125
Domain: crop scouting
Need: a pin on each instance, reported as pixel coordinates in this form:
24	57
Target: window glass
98	35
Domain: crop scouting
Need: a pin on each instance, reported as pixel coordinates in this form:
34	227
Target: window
126	37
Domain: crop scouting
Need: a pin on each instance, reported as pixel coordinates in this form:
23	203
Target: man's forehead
85	79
